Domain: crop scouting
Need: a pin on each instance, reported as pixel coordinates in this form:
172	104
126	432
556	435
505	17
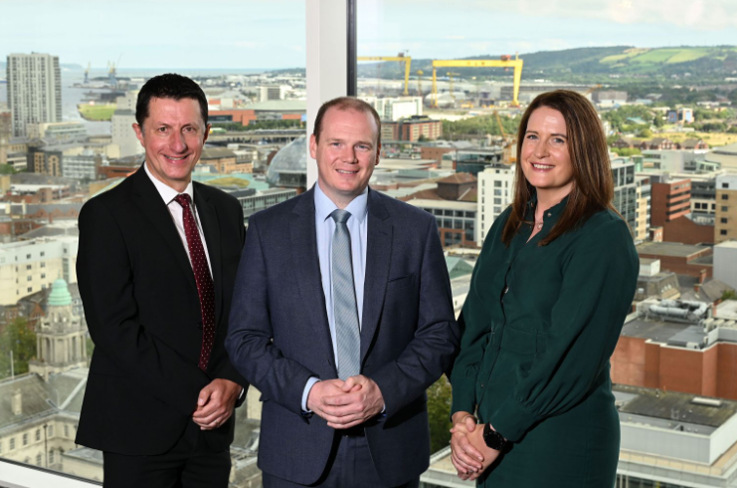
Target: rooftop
665	405
670	249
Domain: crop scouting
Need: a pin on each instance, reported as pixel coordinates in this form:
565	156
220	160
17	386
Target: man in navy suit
342	317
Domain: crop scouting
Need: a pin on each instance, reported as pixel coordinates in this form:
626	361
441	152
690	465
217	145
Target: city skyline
270	35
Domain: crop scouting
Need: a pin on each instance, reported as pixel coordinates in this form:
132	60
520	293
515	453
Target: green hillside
699	62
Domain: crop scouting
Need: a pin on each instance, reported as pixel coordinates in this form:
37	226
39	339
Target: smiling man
156	267
342	317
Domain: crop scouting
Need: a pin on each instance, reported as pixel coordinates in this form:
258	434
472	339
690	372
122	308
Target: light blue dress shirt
324	228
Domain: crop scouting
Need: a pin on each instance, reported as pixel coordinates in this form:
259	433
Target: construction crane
501	126
450	76
419	82
407	60
505	62
508	144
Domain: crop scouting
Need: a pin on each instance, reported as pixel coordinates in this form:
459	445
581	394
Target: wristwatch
493	439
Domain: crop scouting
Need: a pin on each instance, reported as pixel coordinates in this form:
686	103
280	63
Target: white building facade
34	90
495	194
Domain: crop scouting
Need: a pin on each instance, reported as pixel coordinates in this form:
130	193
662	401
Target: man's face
173	135
346	154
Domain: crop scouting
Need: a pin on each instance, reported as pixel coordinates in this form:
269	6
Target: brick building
683	259
670	199
411	128
677	346
686	231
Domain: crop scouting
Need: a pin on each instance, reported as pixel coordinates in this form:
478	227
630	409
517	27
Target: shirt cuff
306	393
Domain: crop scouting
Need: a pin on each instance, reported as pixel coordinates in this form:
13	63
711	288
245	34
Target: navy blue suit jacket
279	334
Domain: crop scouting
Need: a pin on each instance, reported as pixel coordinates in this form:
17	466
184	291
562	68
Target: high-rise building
625	189
34	90
122	122
725	223
495	193
642	215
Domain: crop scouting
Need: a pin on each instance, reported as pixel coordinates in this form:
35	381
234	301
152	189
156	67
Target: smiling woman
540	373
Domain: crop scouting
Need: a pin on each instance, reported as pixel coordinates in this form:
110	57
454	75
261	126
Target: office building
122	126
412	129
625	190
677	345
29	266
725	221
495	194
394	109
642	214
725	262
671	198
34	90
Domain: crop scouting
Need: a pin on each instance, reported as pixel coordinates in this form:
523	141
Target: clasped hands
215	403
469	453
345	404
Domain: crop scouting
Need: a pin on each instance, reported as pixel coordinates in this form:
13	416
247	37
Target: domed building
288	169
60	335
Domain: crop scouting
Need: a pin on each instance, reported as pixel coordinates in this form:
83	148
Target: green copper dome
60	295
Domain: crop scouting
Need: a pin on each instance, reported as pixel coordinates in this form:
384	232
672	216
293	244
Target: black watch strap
493	439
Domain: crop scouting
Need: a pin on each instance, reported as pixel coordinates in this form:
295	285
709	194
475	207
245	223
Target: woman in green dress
532	394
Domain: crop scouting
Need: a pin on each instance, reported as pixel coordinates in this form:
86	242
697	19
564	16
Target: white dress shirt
177	212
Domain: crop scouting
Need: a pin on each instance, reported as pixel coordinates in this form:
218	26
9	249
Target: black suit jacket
279	334
143	312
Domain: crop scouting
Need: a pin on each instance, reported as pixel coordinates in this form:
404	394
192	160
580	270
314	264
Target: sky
270	34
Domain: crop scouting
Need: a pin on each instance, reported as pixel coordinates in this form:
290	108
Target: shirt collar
324	206
168	193
555	210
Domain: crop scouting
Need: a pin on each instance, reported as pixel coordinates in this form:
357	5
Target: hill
625	61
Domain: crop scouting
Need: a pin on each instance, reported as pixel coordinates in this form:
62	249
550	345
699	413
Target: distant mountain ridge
621	60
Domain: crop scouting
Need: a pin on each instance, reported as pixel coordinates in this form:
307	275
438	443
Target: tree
625	151
645	133
20	339
439	399
729	295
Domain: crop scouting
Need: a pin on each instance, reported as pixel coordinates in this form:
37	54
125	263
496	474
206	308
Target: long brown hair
593	184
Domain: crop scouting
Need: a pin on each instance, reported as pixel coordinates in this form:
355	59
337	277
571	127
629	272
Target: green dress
539	326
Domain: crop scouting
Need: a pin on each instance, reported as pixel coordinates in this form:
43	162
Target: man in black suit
342	317
156	267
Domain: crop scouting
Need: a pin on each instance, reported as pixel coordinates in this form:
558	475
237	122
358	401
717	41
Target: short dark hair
172	86
346	103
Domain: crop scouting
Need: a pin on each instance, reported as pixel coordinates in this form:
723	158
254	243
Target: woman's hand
466	458
476	439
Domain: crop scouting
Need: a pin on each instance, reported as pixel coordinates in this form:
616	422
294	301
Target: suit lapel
306	266
154	209
378	259
211	228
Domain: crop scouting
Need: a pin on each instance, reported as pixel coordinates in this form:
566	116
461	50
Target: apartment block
642	214
34	90
725	222
29	266
495	193
671	198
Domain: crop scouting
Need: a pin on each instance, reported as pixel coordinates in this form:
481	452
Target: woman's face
545	160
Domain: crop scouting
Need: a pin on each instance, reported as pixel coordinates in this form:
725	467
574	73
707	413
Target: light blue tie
348	335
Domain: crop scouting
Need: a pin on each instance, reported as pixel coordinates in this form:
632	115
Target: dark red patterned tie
205	288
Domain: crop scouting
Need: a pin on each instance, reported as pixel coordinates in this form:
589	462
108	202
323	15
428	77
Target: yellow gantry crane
505	62
419	82
450	83
407	60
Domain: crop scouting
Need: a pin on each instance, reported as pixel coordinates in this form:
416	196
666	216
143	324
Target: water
71	96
